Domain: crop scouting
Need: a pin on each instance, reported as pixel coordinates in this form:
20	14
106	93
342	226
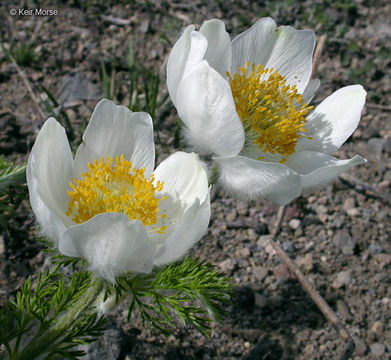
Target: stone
343	278
375	249
349	203
245	252
361	347
144	27
252	235
282	272
263	240
345	242
387	176
378	327
260	272
227	265
309	349
377	349
231	216
260	300
288	246
294	224
353	212
107	347
376	145
321	209
343	310
306	262
383	260
269	249
76	87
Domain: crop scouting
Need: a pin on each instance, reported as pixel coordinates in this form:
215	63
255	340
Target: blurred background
60	64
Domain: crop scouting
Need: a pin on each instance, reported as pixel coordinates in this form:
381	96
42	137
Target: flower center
115	188
273	113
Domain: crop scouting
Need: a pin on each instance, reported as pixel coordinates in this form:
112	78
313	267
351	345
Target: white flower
245	101
107	205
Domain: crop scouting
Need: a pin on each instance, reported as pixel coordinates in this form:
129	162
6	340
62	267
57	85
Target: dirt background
340	236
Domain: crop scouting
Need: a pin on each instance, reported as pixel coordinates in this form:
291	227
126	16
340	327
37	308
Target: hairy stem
46	342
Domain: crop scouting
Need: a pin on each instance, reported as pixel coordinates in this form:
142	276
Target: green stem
48	340
214	174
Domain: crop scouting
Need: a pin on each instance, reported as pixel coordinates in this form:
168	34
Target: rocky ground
339	236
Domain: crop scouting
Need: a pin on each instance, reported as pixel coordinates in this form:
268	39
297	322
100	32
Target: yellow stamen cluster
115	188
273	113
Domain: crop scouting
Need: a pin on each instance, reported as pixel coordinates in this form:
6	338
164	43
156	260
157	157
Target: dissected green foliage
10	175
192	290
34	312
11	191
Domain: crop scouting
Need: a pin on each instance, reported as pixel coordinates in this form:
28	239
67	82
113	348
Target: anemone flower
246	102
107	205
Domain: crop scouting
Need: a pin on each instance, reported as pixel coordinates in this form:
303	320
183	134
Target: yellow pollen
118	187
273	113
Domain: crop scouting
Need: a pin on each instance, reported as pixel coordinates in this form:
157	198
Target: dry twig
311	290
378	106
317	53
26	83
364	187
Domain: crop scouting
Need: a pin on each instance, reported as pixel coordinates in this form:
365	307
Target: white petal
189	50
284	48
333	120
111	244
310	90
114	131
192	227
184	177
49	172
318	169
206	106
250	179
219	52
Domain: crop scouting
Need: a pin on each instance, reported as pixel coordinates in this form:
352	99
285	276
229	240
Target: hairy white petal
111	244
184	177
114	130
250	179
49	172
219	52
192	227
318	169
206	107
310	90
333	120
188	51
283	48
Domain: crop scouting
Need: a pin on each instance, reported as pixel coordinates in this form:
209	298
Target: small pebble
377	349
343	278
294	224
377	327
361	347
263	240
231	216
349	204
245	252
282	272
353	212
226	265
306	262
375	249
260	272
343	310
260	300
